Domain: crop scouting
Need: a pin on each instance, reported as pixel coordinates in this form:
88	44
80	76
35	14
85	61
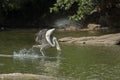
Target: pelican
44	41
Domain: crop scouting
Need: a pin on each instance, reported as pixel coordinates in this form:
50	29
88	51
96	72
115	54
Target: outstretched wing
48	35
40	38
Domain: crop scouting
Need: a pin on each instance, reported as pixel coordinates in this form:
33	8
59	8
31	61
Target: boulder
93	26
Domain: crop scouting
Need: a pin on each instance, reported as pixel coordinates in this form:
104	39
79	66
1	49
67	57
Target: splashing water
30	54
24	53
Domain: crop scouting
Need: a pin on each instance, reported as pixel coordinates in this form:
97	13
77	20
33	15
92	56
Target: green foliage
84	7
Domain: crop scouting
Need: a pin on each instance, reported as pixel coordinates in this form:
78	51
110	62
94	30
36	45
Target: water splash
31	54
24	53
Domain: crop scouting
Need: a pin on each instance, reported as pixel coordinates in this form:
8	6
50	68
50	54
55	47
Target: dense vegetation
84	7
103	12
31	13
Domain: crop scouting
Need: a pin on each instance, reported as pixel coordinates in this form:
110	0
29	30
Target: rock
21	76
110	39
93	27
71	28
65	39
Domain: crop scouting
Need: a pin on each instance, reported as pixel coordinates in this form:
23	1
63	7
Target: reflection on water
91	63
25	61
41	65
75	62
103	72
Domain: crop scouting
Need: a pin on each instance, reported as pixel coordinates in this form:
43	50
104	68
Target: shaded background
36	14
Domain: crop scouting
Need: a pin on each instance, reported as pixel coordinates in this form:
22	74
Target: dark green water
74	62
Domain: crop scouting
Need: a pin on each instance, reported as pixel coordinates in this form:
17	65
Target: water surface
74	63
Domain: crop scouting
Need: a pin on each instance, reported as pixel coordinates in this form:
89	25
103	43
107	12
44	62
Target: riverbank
109	39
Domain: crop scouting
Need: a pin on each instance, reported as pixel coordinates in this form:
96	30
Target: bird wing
41	36
48	35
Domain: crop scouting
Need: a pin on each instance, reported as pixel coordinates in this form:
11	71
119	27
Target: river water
72	63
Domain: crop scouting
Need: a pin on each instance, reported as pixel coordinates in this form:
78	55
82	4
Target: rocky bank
109	39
